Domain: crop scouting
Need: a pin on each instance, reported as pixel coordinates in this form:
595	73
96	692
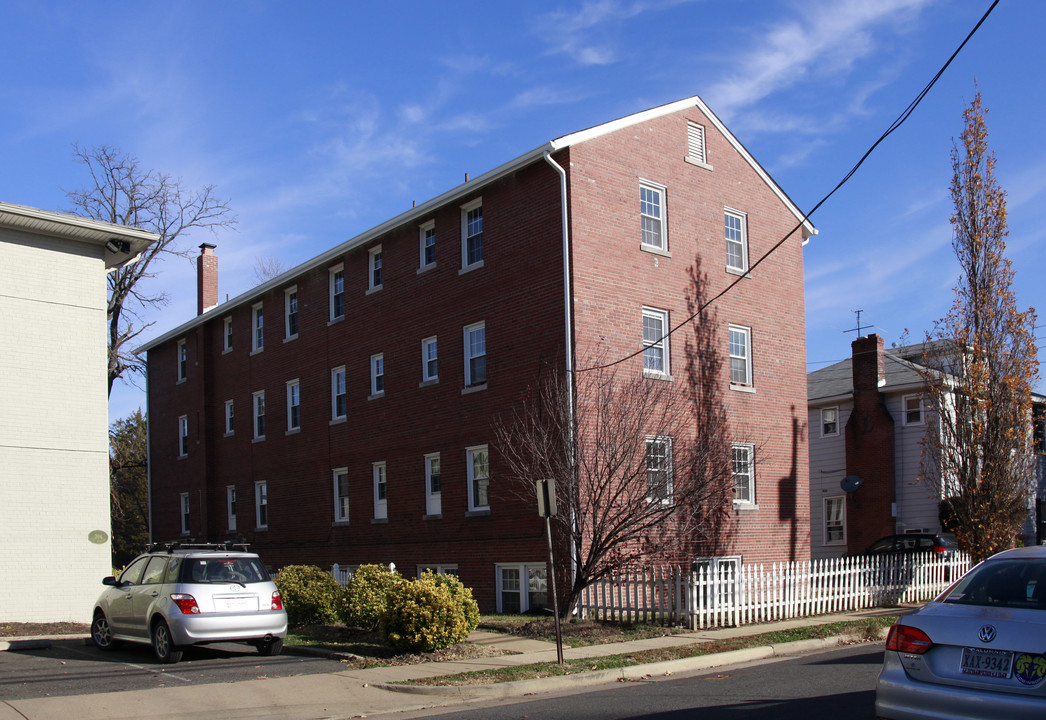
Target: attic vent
695	139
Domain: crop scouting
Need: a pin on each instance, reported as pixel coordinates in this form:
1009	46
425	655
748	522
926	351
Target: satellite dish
850	483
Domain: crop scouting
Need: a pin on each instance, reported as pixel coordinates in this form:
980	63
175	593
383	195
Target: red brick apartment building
342	412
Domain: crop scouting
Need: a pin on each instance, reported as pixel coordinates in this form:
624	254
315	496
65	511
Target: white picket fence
727	595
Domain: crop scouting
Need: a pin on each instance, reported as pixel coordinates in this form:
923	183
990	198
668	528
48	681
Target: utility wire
894	126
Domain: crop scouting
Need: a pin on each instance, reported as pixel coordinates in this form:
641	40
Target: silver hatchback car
176	595
977	652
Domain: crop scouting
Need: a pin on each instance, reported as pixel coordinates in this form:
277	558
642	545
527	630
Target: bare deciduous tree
642	467
981	360
267	267
122	192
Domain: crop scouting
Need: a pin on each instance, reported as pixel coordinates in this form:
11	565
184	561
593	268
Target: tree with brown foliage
128	487
122	192
981	361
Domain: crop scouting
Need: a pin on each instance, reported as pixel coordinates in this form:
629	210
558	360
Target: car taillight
941	550
277	601
903	638
186	603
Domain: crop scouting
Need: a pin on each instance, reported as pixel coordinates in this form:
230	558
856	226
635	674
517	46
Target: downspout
568	324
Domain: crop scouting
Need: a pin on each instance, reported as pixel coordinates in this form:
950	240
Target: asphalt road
73	668
835	684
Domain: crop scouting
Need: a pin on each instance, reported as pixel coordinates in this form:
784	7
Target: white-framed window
227	334
230	425
427	244
652	216
696	152
659	470
740	356
338	398
230	506
293	405
183	436
655	342
472	234
336	278
183	360
743	462
433	487
829	422
257	328
341	495
717	579
290	313
521	587
381	491
835	520
735	226
184	506
259	415
261	504
475	354
913	410
377	375
374	269
429	360
477	461
439	569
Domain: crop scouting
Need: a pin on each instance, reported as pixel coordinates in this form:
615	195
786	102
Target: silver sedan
977	652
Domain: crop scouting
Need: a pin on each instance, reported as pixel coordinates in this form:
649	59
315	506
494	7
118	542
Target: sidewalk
364	693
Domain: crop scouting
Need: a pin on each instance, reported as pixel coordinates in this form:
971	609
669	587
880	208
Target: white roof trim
76	228
421	212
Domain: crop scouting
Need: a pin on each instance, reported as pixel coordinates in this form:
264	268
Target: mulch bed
37	629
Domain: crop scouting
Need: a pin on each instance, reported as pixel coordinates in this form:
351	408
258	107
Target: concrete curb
27	644
633	672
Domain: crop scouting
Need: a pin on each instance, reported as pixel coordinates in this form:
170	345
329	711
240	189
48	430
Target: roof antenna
860	328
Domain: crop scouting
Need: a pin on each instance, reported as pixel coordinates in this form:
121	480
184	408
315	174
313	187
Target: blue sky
320	120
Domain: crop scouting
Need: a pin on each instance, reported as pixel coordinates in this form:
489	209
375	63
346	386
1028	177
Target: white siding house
54	458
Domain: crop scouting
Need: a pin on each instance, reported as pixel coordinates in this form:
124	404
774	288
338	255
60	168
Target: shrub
461	594
365	594
311	596
423	615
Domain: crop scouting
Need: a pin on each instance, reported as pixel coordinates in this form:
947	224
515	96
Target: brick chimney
869	448
206	279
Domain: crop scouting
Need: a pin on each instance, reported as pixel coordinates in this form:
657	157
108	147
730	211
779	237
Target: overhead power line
893	126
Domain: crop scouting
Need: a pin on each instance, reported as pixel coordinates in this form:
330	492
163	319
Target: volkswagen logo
987	633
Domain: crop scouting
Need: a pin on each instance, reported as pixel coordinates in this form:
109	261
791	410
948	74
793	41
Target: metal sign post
546	491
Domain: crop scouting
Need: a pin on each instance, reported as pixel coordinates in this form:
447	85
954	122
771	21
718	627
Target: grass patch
576	633
868	629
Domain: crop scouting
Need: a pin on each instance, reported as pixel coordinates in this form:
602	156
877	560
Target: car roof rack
170	547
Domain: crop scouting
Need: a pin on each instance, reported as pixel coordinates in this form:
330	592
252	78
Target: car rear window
1003	583
223	570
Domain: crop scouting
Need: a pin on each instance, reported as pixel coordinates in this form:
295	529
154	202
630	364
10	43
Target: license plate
987	663
235	604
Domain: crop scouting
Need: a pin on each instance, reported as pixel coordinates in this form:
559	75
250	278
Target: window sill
183	457
697	163
428	383
426	268
654	375
655	250
293	431
745	506
738	271
374	289
470	268
226	351
339	420
376	395
290	337
261	528
473	388
335	321
256	352
379	521
340	523
258	439
180	381
229	434
435	516
742	388
481	512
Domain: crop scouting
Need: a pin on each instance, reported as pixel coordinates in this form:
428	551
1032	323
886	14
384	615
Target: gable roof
471	187
835	382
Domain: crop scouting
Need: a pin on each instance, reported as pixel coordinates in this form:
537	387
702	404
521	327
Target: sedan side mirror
109	581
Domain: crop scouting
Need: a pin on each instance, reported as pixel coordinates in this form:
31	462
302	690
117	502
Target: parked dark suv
184	594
